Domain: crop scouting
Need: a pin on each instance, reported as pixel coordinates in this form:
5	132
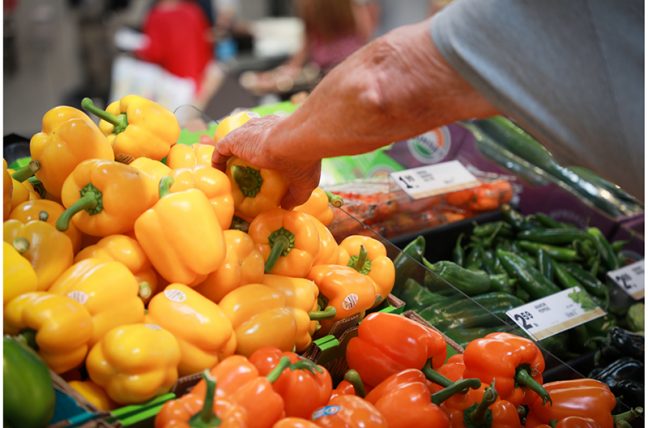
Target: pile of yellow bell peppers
124	254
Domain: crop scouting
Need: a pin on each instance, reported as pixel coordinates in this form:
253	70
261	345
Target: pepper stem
434	375
119	122
165	186
307	365
89	201
28	338
281	242
145	290
21	245
335	200
26	171
624	419
206	418
327	313
248	179
480	415
524	378
284	363
43	215
353	377
455	388
360	262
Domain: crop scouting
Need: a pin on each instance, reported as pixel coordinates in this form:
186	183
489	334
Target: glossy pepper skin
107	289
134	363
369	257
579	397
155	169
231	122
28	393
319	205
22	192
304	386
328	247
7	191
239	381
243	264
129	252
254	190
136	127
463	412
387	344
261	317
294	423
453	369
181	236
203	331
63	327
19	276
300	293
93	394
105	197
213	183
189	156
509	360
47	211
288	241
349	411
48	250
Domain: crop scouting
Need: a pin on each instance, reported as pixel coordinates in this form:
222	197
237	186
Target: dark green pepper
467	281
463	335
418	297
458	252
406	262
545	265
493	229
604	248
628	343
28	393
546	221
588	281
557	253
565	279
528	277
473	260
488	261
514	218
501	282
557	236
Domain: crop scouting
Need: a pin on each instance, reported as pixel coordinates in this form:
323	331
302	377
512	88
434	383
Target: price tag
434	179
630	278
553	314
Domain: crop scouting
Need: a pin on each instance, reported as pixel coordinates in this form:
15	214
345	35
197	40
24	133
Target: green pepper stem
206	418
353	377
90	200
524	378
119	122
281	242
627	417
21	244
28	338
553	423
165	185
248	179
304	364
26	171
284	363
362	259
479	416
43	215
455	388
335	200
145	290
327	313
434	375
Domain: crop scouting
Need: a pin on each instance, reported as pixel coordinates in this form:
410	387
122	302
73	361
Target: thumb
222	153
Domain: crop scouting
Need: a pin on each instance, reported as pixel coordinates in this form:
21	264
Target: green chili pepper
529	277
470	282
556	236
604	248
565	279
473	260
545	265
406	262
557	253
514	218
458	251
546	221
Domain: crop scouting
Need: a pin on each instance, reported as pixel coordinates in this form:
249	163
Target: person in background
569	73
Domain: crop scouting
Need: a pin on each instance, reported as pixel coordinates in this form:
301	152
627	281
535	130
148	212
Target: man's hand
253	142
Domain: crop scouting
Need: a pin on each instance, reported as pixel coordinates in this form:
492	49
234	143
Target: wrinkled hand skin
394	88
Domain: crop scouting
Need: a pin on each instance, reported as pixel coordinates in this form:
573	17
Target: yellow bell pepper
328	247
243	264
369	257
68	137
22	192
7	191
319	205
134	363
213	183
48	250
261	317
129	252
155	169
181	235
47	211
93	394
232	122
18	274
62	327
189	156
107	289
300	293
203	331
288	240
136	127
105	197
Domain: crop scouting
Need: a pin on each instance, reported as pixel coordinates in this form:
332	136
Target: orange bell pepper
192	410
254	190
107	289
94	394
7	191
369	257
239	381
243	264
112	196
127	251
47	211
513	362
351	385
453	369
48	250
328	247
481	407
155	169
300	293
349	411
213	183
68	137
22	192
181	235
189	156
294	423
318	205
288	241
304	386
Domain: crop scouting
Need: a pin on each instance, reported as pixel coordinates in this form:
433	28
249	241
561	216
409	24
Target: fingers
222	153
301	187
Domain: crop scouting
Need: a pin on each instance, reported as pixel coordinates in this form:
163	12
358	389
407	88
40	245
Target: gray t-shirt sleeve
569	72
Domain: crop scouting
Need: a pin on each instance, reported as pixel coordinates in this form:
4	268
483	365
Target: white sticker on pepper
79	296
175	295
350	301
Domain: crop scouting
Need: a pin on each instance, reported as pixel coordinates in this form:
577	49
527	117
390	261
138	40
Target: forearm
396	87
